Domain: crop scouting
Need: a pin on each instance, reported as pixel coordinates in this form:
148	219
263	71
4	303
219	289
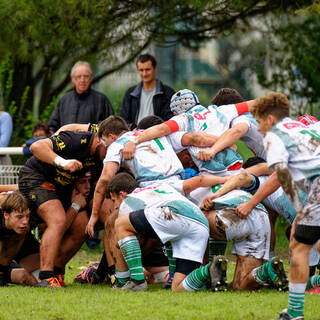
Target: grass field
99	302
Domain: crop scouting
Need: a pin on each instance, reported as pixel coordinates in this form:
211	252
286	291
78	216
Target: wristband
61	162
135	140
75	206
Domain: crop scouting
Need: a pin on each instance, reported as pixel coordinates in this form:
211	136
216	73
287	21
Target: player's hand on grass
205	155
207	203
128	150
90	226
243	210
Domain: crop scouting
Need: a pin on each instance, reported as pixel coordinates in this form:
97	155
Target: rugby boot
284	315
88	275
218	274
117	285
49	283
135	285
281	280
60	278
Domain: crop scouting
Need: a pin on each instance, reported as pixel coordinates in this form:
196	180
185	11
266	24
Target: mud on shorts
250	237
308	226
188	237
38	190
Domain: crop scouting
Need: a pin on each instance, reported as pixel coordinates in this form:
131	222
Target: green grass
99	302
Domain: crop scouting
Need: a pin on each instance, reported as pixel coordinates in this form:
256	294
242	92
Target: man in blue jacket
149	97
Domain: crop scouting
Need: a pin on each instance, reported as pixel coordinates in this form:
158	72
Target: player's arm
289	186
154	132
206	180
198	139
8	187
78	203
73	127
43	150
242	179
260	169
108	172
227	139
270	186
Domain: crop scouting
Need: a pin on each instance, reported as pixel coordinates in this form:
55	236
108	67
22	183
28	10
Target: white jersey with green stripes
153	159
160	196
297	145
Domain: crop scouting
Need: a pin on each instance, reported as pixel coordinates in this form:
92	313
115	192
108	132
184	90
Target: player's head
183	100
270	109
40	129
148	122
16	213
227	96
83	185
120	185
111	128
307	119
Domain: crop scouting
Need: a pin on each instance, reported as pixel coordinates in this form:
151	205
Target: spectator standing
149	97
82	104
5	134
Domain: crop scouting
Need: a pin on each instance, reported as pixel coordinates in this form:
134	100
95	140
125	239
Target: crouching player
16	242
160	212
250	239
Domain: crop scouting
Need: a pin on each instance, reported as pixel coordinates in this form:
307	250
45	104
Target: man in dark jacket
149	97
82	104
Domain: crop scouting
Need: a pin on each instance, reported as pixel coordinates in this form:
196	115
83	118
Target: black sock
46	274
102	270
57	270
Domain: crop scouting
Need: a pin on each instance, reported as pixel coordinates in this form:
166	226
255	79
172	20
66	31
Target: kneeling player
250	238
160	212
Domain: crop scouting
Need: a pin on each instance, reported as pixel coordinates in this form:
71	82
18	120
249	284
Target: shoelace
54	282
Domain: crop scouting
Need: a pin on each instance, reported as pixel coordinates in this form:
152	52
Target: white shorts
251	236
314	255
188	237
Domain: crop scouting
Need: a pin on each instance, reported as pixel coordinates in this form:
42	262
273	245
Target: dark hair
252	162
227	96
148	122
114	125
147	57
14	201
40	125
122	182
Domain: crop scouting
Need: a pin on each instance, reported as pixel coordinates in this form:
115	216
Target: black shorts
156	258
38	190
186	266
30	246
141	225
307	234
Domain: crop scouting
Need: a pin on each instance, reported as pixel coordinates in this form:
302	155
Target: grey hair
80	63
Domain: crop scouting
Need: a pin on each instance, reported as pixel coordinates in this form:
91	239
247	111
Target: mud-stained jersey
69	145
297	145
159	196
153	159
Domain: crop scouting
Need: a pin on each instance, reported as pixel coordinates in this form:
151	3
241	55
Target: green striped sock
172	261
197	279
265	272
296	299
122	276
131	252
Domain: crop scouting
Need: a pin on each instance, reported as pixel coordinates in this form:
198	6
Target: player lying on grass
19	250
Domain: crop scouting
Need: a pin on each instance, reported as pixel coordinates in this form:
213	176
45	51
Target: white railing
9	173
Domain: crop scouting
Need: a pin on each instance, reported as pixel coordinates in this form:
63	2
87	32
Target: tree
294	60
40	40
